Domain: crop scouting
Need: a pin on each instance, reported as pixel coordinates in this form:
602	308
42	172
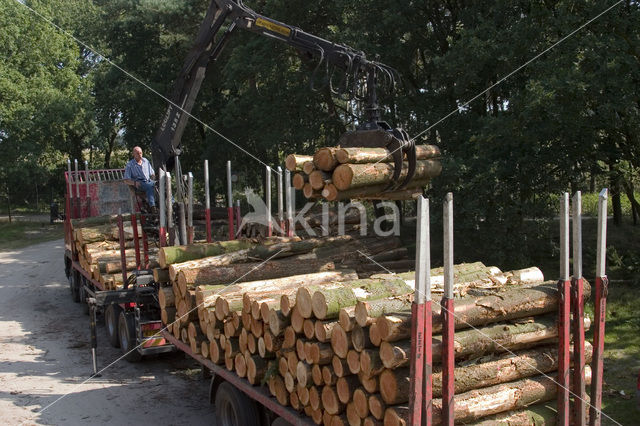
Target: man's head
137	153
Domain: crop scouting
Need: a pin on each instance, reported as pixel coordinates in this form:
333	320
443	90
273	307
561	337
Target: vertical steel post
601	284
230	202
564	297
87	195
418	321
77	180
267	198
170	209
136	237
207	200
190	209
280	202
288	197
163	206
448	319
577	292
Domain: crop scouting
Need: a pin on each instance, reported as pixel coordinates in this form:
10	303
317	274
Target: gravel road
45	354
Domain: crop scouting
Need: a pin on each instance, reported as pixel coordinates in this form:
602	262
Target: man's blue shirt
138	172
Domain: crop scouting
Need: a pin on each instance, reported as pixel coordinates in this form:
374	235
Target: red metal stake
123	255
564	355
207	217
238	216
427	394
163	237
578	351
602	288
232	232
416	370
136	241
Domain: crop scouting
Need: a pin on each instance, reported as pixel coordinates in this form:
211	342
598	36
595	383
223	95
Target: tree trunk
294	162
211	261
249	272
351	176
178	254
324	159
381	155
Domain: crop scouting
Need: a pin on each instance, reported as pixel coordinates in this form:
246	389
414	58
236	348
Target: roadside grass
16	235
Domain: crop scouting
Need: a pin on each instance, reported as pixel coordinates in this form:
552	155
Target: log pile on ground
335	173
96	241
336	347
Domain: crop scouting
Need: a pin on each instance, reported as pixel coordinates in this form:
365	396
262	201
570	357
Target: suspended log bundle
335	346
335	173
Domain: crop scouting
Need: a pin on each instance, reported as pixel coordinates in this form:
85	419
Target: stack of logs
97	243
335	173
336	347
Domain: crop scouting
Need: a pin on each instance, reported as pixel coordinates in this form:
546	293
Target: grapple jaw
396	141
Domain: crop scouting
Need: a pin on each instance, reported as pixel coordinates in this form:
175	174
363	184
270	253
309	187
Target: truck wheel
234	408
111	317
127	333
74	284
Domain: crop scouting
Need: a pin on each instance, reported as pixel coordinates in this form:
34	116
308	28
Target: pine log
240	365
256	369
370	362
512	303
314	398
476	404
310	193
292	362
321	353
322	330
273	343
376	406
168	315
289	338
295	401
340	366
324	159
341	341
352	415
294	162
308	167
308	328
178	254
209	261
370	384
160	275
353	361
372	421
350	176
329	376
361	402
278	322
303	374
328	300
166	297
297	320
331	402
360	338
397	415
316	375
381	155
303	394
298	180
318	179
280	389
346	318
248	272
289	382
538	414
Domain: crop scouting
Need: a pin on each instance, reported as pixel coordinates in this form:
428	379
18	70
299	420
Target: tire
234	408
74	284
111	319
127	334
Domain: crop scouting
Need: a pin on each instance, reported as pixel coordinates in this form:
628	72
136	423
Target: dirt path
44	354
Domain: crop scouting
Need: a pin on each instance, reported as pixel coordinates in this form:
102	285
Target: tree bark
351	176
178	254
381	155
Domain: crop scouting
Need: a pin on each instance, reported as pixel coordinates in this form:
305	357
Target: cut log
298	180
360	338
178	254
323	330
303	374
318	179
256	369
395	386
321	353
316	375
370	362
250	272
346	318
314	398
209	261
168	314
278	322
352	415
240	365
294	162
329	377
361	402
340	366
351	176
308	328
370	384
381	155
331	402
324	159
341	341
303	394
310	193
538	414
353	361
308	167
376	406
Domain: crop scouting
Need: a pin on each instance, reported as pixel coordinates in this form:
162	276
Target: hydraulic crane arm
358	72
